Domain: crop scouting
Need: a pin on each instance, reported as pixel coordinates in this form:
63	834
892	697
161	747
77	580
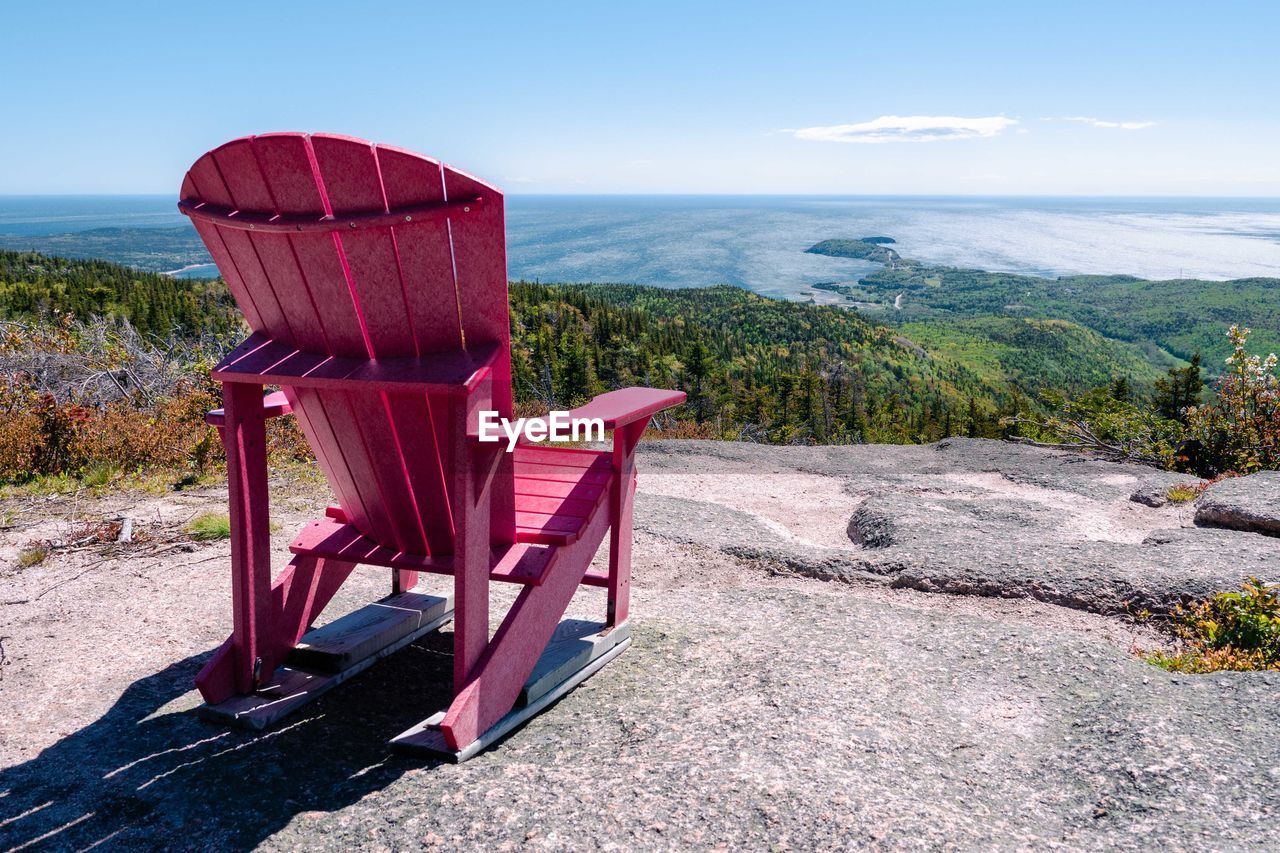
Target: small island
865	249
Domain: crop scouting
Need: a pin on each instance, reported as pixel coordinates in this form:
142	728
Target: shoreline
187	268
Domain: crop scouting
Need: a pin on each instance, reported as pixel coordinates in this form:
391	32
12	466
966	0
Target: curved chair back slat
373	286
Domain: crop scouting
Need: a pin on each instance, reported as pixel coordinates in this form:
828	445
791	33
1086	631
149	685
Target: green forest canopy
758	367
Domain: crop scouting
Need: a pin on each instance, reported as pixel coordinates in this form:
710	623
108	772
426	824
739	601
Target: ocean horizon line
794	195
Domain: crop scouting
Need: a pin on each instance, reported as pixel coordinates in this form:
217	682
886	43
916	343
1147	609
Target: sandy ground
755	708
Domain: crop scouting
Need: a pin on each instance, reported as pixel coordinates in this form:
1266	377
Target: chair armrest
274	405
627	405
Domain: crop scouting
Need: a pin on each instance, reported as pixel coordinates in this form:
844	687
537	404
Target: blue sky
886	97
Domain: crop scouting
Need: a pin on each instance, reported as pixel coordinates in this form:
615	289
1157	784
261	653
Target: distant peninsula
1167	321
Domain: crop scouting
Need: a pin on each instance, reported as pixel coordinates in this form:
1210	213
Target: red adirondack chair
375	284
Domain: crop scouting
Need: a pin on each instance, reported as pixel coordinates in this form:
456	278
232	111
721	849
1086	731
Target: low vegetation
210	527
32	555
83	404
1236	431
1237	631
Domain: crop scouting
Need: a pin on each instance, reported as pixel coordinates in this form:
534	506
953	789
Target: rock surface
1152	496
757	707
973	517
1249	503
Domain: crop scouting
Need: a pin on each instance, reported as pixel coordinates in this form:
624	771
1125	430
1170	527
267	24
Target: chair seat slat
261	360
562	473
524	564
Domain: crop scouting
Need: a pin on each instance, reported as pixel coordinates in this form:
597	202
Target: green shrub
1240	429
1105	422
1231	631
99	474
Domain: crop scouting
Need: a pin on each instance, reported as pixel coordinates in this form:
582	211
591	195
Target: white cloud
909	129
1097	122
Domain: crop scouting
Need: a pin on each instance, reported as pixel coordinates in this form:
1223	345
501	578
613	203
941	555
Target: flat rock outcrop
986	518
1249	503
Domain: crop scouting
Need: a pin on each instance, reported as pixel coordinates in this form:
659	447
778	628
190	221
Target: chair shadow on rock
142	777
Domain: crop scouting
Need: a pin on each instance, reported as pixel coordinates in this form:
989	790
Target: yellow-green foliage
99	474
1231	631
1182	492
210	527
1034	354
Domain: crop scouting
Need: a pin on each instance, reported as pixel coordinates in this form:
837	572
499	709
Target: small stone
1154	496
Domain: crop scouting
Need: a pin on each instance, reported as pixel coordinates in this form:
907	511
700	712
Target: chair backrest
364	251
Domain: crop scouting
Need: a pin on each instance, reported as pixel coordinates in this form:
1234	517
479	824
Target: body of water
38	215
758	242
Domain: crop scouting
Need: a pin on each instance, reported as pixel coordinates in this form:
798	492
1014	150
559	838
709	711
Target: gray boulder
1249	503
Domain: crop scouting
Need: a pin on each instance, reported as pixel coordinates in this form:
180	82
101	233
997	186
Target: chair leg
621	498
469	505
300	594
498	676
267	618
403	580
618	604
244	436
297	598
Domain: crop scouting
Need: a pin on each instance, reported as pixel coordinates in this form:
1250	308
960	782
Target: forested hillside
753	367
1035	355
33	285
1179	317
83	388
